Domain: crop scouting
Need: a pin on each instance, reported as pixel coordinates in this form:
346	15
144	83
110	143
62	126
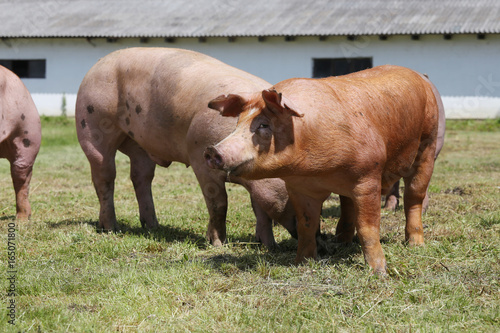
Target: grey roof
236	18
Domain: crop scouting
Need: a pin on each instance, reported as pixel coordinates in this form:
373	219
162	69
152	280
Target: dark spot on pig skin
83	123
23	117
25	132
131	134
26	143
126	104
90	108
138	109
127	120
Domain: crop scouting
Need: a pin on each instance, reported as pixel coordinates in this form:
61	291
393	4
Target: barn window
26	69
324	67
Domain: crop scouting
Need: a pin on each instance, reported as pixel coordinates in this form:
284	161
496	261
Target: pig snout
213	158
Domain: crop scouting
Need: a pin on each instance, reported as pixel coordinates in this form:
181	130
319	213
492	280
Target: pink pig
151	104
20	136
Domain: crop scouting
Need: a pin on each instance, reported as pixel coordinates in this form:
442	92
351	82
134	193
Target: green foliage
485	125
58	131
72	278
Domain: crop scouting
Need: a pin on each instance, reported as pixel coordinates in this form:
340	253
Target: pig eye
264	131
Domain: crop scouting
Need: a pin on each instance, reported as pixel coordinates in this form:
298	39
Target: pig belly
162	145
320	187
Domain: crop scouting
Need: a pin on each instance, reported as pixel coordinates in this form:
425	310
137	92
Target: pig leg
392	198
270	203
21	157
425	203
100	138
21	176
264	226
103	172
214	191
414	232
288	220
308	212
142	171
261	198
367	207
415	192
101	152
346	225
260	201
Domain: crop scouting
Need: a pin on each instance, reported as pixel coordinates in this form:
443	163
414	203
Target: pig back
377	115
153	95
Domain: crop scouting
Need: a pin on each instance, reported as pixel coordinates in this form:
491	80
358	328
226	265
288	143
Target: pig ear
228	105
279	104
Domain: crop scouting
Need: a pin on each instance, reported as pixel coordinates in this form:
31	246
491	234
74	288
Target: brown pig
392	198
20	136
354	135
151	104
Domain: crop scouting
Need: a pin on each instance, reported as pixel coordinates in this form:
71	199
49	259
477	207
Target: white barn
52	44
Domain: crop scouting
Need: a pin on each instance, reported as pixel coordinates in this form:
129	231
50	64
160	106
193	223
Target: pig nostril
218	159
213	158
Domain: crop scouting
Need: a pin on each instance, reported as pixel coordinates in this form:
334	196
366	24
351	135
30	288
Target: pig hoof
103	231
150	226
322	246
101	228
343	239
23	217
380	272
272	247
270	244
299	261
416	241
275	248
217	243
391	203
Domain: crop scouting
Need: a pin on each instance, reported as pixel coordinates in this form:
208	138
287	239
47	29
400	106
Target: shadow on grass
164	233
167	234
67	222
7	217
330	212
283	255
226	263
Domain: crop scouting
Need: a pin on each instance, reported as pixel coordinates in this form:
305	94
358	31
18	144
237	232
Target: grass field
71	278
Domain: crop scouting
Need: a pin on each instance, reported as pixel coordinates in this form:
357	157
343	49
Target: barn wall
466	70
